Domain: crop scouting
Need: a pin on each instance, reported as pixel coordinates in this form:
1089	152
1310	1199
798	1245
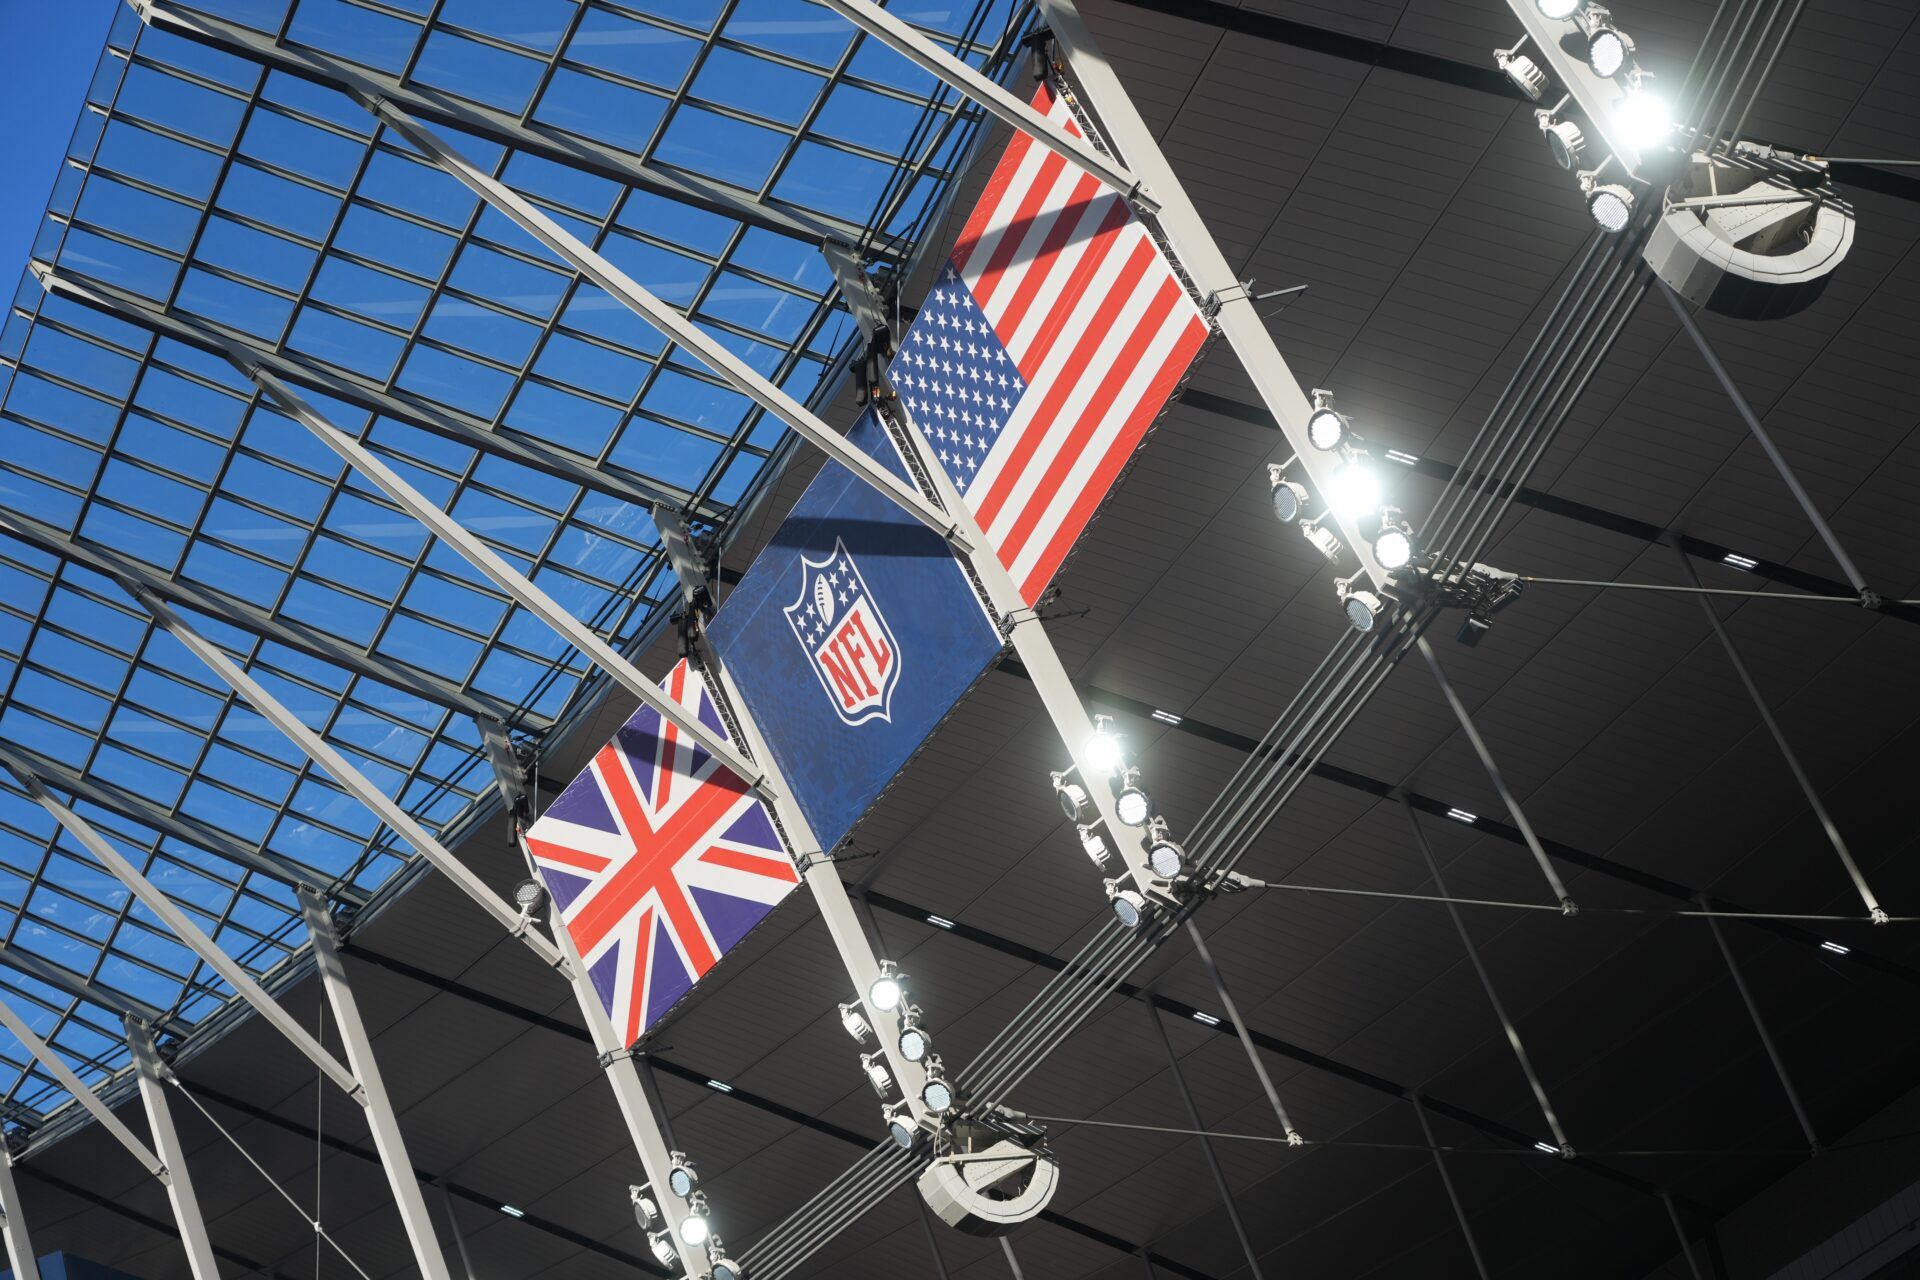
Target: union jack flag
658	859
1052	340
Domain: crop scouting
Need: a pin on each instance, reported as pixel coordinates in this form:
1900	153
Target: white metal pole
682	331
189	933
355	783
13	1224
151	1073
381	1121
1238	319
64	1076
931	58
503	575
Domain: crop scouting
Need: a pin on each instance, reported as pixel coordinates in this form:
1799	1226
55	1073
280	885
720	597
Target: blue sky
47	52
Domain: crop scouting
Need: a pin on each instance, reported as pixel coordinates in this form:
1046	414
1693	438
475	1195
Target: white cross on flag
1053	339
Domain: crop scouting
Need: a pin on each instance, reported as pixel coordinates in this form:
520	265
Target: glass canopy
244	199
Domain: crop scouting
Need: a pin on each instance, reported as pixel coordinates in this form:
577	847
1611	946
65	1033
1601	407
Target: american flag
658	859
1051	342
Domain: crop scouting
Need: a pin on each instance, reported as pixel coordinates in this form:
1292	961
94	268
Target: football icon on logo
846	637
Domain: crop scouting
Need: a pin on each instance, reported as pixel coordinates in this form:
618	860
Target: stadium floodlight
1354	490
914	1042
1326	428
1129	906
900	1125
1524	72
1104	752
1134	806
936	1094
646	1210
1394	547
1289	496
694	1228
889	989
877	1074
682	1179
1073	797
1559	9
1611	206
855	1022
1644	117
662	1246
1609	49
1363	607
1095	845
1323	540
528	895
1164	854
723	1267
1564	139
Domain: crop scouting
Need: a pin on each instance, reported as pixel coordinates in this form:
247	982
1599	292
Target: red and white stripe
1091	312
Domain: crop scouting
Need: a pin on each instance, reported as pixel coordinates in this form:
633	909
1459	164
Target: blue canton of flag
956	378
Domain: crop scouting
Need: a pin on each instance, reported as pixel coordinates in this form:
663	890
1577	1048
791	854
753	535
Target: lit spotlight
1103	752
1289	496
887	990
694	1228
1393	549
900	1125
936	1093
1363	608
1611	206
1326	429
1354	490
1608	49
1644	118
1558	9
1134	805
682	1179
1129	907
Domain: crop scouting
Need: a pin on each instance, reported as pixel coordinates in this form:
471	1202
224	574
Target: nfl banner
658	860
1054	338
852	635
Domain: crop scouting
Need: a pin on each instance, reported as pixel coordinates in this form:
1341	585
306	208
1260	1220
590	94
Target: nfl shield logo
843	631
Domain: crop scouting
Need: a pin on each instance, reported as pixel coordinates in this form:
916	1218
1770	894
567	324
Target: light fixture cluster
1353	491
1133	805
1638	113
887	993
696	1225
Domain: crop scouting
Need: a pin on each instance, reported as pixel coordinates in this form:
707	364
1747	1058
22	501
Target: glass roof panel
214	203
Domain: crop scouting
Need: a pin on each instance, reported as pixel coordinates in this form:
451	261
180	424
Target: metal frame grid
279	216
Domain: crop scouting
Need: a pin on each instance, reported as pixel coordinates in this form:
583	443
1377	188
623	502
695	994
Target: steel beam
66	981
364	393
1241	1033
506	128
951	71
670	322
255	621
385	1126
1760	1028
350	779
13	1224
1028	635
1238	320
495	569
148	814
189	933
1453	1194
55	1066
151	1073
1206	1144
